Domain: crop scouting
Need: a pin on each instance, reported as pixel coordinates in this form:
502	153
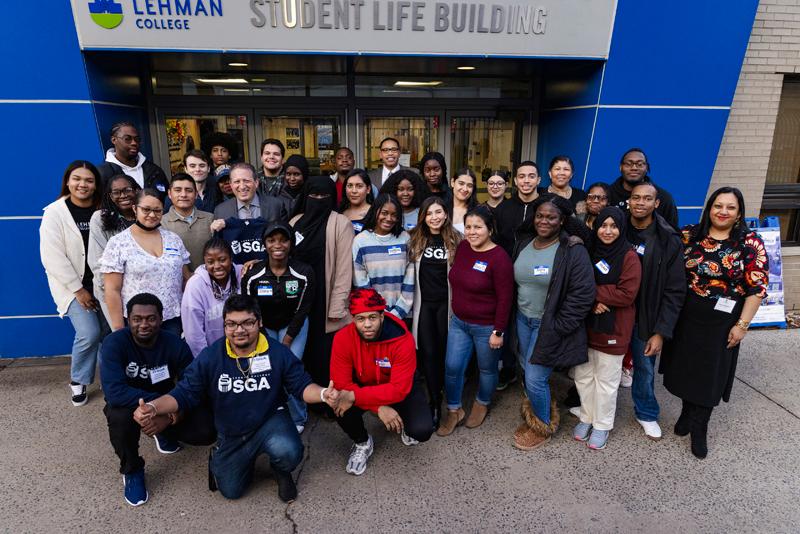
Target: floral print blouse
729	268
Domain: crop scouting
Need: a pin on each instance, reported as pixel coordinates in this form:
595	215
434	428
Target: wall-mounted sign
549	28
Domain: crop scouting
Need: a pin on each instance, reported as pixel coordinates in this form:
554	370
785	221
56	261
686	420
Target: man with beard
125	158
635	169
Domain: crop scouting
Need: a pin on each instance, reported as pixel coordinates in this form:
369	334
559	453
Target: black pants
432	347
413	410
196	428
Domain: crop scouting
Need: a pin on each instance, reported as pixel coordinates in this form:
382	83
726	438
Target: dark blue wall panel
681	145
681	52
45	336
565	132
570	83
40	58
108	115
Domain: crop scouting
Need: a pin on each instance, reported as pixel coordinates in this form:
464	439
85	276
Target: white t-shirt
144	273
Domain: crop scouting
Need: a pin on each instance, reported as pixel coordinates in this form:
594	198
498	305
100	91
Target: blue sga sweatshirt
241	402
129	372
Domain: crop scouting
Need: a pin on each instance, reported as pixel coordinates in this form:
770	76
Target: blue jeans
645	405
90	328
296	406
233	458
462	337
537	377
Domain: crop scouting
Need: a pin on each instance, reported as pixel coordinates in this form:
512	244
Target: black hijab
314	220
609	258
301	164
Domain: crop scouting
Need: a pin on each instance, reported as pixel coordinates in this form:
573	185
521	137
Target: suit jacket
376	175
272	209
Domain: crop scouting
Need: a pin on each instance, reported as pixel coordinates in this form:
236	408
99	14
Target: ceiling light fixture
465	67
235	64
221	80
258	80
235	90
402	83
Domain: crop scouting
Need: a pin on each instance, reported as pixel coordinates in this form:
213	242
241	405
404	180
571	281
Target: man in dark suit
390	157
247	204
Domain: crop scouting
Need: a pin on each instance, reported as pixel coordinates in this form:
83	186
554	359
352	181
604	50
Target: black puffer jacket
562	340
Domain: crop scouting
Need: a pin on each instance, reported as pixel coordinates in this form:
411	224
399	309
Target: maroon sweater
482	285
622	297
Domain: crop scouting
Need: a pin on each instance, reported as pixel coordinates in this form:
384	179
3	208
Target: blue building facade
666	85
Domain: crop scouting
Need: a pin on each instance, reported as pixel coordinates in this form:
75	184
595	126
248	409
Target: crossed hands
152	424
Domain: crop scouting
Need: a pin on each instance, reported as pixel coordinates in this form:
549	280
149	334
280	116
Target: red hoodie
380	373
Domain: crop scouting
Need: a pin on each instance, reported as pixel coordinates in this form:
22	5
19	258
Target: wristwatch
498	333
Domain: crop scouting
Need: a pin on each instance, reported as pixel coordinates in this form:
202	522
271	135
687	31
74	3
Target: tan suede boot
535	433
451	420
476	415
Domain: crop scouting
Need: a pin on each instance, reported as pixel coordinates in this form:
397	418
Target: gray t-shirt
532	273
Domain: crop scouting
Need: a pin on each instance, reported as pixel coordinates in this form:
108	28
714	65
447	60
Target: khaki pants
598	382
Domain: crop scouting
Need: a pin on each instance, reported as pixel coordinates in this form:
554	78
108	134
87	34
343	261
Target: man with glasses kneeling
246	376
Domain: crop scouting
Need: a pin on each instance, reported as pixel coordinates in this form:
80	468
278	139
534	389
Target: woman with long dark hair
63	243
409	189
323	239
357	198
145	258
462	197
380	256
727	269
432	249
115	215
433	169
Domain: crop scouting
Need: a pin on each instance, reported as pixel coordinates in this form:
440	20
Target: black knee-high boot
699	429
683	424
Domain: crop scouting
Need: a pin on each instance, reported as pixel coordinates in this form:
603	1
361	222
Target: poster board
772	311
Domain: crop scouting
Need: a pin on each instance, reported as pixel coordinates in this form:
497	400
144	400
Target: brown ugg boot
451	420
476	415
535	433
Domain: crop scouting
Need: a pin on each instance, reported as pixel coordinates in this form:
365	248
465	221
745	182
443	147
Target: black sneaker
79	396
506	377
287	490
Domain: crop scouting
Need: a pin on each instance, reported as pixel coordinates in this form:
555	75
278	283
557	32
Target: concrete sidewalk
60	474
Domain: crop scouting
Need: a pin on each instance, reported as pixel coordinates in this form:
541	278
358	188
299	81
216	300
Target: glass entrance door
417	135
184	132
484	144
316	138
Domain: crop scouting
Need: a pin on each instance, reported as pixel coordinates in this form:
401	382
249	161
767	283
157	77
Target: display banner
772	311
515	28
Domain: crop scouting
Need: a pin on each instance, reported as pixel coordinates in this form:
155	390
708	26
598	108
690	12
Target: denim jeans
233	458
90	328
296	406
537	377
462	337
645	405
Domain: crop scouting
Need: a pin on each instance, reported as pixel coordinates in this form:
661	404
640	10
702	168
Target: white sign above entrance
539	28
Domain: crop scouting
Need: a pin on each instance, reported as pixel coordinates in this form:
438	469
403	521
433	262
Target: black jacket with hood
562	341
619	196
154	177
514	220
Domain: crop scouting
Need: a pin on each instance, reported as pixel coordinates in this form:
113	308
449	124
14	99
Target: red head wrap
366	300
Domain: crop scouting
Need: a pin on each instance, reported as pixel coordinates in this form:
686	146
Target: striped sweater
381	262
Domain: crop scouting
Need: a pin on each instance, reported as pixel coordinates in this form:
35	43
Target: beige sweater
62	252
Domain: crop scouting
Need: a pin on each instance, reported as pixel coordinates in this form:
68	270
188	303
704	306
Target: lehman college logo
106	13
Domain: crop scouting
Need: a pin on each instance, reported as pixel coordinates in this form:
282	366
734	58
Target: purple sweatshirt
201	313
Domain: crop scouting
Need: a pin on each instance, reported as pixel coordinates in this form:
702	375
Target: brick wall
773	50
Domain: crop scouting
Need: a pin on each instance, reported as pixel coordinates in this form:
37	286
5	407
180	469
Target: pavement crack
287	513
773	401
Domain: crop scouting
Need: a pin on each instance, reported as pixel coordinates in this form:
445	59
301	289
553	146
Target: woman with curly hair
409	189
727	271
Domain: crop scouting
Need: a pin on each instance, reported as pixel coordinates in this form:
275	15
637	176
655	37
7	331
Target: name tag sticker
161	187
602	266
480	266
171	251
384	362
612	341
357	227
298	238
725	305
159	374
265	290
640	249
394	251
541	270
410	226
259	364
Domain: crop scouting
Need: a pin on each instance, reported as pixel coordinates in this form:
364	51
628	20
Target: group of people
372	291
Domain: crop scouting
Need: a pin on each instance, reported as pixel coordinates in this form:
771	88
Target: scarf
607	261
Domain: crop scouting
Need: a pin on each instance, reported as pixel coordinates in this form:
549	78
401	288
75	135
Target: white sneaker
408	440
627	378
300	428
651	429
79	396
357	463
576	411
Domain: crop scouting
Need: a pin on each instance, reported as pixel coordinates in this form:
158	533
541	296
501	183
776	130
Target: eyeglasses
496	184
596	198
150	211
116	193
635	164
129	138
390	150
247	324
